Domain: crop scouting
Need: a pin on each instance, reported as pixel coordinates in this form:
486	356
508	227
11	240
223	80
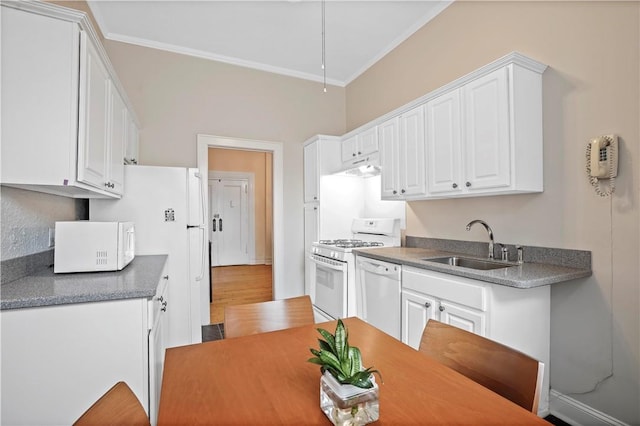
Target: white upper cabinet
486	132
321	156
444	132
93	135
311	177
485	137
402	155
356	148
64	125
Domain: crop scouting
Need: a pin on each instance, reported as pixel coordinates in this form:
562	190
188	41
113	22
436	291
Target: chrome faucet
489	231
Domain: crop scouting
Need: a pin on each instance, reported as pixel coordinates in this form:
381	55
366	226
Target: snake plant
344	362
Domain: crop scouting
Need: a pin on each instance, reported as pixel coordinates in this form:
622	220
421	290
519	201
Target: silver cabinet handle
441	308
427	305
395	192
166	277
403	191
455	185
468	184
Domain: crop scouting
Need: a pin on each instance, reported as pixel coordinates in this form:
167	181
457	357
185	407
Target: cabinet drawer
448	287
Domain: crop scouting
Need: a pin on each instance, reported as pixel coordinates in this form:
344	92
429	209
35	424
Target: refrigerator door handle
220	227
214	226
203	254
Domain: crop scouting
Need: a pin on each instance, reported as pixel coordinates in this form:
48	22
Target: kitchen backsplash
27	217
548	255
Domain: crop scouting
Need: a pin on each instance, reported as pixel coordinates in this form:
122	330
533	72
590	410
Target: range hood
364	167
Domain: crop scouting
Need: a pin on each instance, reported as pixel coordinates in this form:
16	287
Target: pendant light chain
324	68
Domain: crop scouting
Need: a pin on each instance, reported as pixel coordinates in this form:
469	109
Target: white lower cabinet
519	318
427	295
158	340
58	360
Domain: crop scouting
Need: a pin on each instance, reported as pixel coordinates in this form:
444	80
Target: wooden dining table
265	379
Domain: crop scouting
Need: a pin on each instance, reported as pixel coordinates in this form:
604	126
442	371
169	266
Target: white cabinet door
486	131
311	178
311	225
158	340
94	116
349	149
444	144
462	317
402	155
417	309
131	145
367	141
412	153
389	137
118	133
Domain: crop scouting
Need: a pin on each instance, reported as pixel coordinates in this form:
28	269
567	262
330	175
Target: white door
486	132
229	216
389	136
412	157
444	144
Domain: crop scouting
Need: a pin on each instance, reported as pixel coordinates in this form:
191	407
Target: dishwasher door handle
377	268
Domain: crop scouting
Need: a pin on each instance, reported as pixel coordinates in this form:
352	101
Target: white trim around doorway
204	142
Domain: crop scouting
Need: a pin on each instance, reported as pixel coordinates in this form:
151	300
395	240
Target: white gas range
333	276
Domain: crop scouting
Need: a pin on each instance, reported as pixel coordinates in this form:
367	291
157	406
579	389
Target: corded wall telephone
602	162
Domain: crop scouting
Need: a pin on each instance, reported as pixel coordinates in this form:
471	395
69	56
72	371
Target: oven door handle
328	263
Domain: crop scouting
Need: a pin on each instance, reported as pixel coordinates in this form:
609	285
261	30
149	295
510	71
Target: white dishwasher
378	291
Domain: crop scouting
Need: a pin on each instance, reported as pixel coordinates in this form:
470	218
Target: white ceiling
284	37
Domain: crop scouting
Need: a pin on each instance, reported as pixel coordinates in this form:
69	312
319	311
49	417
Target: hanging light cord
324	68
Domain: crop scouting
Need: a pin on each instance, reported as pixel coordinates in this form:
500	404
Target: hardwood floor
239	284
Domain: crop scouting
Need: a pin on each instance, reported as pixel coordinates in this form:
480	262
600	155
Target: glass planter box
347	404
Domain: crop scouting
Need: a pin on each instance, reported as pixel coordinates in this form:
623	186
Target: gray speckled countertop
139	279
526	275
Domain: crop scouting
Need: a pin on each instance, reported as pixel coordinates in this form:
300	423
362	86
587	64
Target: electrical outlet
52	237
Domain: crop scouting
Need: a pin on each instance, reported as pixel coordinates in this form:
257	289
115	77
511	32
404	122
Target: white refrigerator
166	206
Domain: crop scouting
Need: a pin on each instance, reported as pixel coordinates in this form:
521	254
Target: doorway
264	265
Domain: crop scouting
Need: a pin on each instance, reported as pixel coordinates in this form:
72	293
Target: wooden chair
253	318
507	372
118	406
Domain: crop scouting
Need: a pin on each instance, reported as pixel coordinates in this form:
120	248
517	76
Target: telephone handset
602	162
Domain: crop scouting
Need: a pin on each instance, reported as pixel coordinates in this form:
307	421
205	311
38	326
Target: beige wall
259	163
590	88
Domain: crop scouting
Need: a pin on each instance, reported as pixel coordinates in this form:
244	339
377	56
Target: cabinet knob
354	154
468	184
441	308
109	185
315	198
166	277
427	305
403	191
395	192
455	185
359	153
161	299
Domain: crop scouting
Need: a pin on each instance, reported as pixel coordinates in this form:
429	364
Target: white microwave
86	246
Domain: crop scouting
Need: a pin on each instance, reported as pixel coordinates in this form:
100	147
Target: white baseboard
576	413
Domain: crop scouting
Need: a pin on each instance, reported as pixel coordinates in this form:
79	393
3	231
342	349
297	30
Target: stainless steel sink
467	262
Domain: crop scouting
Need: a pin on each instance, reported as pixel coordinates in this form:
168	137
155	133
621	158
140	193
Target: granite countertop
139	279
525	275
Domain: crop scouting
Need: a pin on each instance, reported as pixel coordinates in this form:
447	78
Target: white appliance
378	294
84	246
166	204
333	284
